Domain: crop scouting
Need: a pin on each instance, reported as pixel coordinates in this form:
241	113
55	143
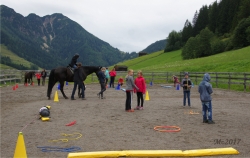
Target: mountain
154	47
52	40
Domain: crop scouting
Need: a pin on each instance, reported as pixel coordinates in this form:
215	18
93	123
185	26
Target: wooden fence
227	80
240	81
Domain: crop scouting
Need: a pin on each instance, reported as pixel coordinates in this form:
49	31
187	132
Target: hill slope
232	61
52	40
14	59
154	47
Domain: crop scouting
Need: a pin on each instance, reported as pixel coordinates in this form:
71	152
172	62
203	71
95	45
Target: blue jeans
207	107
186	95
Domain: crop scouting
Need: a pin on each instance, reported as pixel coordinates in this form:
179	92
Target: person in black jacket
102	79
78	80
44	74
186	84
74	61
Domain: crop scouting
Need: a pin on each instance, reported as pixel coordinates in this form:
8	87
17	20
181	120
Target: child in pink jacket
140	83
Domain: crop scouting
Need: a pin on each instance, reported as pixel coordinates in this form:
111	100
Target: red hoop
177	129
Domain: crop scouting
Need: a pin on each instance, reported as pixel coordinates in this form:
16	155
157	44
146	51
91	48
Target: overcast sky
129	25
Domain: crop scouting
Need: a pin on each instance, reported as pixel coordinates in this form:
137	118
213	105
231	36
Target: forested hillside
223	25
154	47
52	41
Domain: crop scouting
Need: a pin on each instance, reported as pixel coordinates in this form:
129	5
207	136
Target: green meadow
231	61
14	58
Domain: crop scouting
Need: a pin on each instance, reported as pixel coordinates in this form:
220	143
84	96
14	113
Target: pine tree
213	17
187	31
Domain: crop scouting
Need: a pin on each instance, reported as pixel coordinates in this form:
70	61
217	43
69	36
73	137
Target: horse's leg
61	88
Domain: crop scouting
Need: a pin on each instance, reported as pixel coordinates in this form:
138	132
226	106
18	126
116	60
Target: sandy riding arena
103	124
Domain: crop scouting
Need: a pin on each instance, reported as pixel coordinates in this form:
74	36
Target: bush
218	46
241	34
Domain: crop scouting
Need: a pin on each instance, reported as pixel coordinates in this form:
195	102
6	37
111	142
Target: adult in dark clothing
78	80
102	81
74	61
44	75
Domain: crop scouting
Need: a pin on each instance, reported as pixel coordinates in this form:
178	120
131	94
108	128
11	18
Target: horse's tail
51	82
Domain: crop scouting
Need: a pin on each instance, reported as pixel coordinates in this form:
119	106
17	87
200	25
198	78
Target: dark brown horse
62	74
28	77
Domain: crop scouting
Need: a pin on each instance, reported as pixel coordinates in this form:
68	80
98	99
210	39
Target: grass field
14	58
231	61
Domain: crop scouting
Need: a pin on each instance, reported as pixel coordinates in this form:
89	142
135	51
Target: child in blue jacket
205	90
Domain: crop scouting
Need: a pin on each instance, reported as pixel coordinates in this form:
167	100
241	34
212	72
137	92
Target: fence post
216	79
196	78
152	77
229	80
245	84
167	77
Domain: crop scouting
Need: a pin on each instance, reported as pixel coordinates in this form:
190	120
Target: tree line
219	27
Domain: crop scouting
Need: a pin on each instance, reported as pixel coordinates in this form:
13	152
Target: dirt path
105	125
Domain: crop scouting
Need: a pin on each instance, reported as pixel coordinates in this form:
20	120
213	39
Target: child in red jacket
112	74
38	77
140	83
120	81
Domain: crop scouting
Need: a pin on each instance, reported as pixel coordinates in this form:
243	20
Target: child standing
140	83
205	90
102	79
129	90
112	74
107	76
38	77
120	81
186	84
175	79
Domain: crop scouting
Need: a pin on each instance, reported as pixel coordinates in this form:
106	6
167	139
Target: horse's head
87	70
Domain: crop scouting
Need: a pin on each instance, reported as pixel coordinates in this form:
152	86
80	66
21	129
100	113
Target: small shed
121	68
142	53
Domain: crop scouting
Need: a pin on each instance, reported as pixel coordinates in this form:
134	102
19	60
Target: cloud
129	25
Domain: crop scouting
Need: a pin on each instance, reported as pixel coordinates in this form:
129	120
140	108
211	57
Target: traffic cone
117	87
56	97
32	83
58	86
14	88
178	87
20	151
147	96
151	83
26	84
67	83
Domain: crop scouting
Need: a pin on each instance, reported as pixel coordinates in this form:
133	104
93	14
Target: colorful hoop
177	129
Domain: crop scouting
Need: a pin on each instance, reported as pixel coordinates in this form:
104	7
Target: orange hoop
177	129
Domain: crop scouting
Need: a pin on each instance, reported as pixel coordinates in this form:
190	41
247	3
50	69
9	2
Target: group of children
205	90
139	87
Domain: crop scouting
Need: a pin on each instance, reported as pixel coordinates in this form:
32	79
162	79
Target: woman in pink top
140	83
